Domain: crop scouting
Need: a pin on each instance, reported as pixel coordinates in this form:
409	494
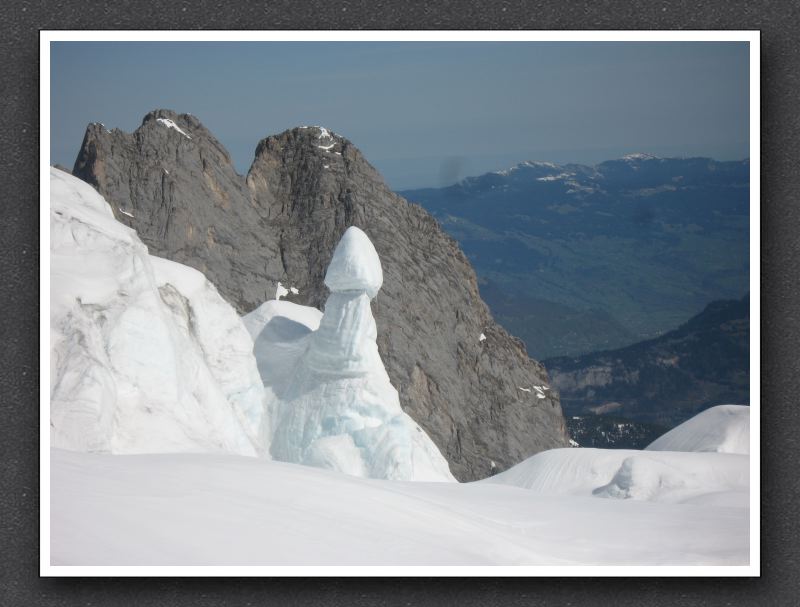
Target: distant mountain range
575	259
665	380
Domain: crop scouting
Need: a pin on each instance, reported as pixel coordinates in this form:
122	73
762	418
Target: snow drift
228	510
721	429
639	475
145	355
330	397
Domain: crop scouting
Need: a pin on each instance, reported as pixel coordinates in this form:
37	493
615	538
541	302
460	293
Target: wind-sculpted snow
145	355
721	429
334	405
671	477
227	510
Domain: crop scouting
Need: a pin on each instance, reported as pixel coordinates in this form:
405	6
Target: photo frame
374	588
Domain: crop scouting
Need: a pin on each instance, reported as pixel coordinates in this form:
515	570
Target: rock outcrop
467	382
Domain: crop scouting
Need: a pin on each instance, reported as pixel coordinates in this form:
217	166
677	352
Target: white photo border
753	37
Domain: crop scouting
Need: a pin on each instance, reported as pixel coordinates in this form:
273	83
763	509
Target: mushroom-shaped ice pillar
340	410
344	344
355	265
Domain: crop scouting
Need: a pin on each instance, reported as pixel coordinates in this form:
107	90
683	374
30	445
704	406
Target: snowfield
229	510
670	477
165	407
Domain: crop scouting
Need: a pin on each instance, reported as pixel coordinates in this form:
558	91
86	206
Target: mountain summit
460	376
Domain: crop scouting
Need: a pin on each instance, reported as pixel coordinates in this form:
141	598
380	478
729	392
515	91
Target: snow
669	477
281	291
355	265
323	133
145	355
721	429
326	147
525	389
539	163
280	330
125	212
331	400
527	164
170	124
229	510
555	177
638	156
256	320
482	337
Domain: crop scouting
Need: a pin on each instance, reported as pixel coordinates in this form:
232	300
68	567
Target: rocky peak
282	222
174	182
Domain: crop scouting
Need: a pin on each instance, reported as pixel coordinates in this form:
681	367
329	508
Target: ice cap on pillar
355	265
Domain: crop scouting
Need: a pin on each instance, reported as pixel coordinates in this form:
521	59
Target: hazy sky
423	113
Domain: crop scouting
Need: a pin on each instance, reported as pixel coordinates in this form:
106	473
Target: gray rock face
178	189
475	398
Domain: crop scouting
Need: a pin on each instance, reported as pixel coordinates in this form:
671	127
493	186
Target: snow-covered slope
227	510
721	429
145	355
331	400
280	331
671	477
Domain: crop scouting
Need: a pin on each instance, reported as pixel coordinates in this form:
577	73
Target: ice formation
145	355
334	405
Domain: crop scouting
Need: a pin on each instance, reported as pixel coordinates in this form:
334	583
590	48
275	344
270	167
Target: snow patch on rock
170	124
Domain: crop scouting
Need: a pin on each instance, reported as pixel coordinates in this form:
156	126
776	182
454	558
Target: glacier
145	356
169	410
